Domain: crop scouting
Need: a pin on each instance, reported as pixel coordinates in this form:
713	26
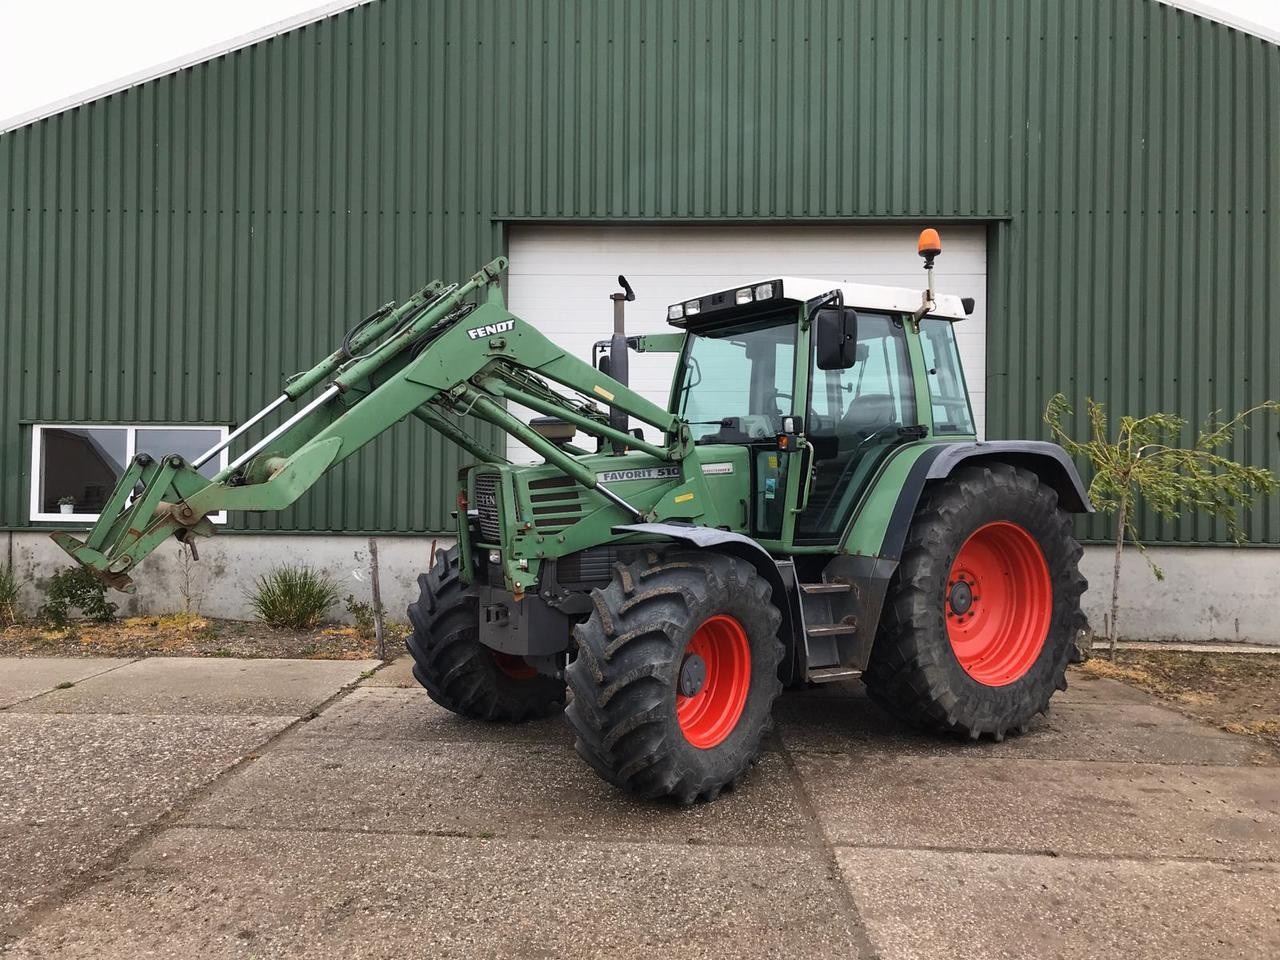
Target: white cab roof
868	296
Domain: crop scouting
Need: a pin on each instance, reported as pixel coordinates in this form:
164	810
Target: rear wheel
983	612
459	672
676	674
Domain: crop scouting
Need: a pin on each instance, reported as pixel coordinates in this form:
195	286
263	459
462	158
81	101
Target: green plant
191	582
362	614
294	597
76	589
66	501
1147	462
9	585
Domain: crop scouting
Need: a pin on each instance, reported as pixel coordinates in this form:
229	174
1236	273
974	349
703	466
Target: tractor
813	504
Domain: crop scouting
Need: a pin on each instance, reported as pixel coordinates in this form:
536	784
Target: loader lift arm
436	354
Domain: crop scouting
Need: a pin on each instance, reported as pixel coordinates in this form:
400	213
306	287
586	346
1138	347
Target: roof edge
314	15
1208	12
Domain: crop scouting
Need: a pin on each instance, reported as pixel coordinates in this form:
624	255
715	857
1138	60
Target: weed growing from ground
293	597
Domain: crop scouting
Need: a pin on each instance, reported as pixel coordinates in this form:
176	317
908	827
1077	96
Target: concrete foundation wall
1209	593
228	566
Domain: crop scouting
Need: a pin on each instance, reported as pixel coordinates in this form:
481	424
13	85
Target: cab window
948	395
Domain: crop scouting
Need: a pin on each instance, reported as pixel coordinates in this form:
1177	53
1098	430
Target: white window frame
131	430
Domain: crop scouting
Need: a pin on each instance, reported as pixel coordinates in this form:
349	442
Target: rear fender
1046	460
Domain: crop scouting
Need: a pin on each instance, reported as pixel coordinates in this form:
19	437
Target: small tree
1146	462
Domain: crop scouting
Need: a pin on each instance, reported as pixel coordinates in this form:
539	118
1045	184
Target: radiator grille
556	503
486	497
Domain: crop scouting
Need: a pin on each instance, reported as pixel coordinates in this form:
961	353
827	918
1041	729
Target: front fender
735	544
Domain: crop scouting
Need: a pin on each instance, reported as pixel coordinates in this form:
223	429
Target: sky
54	49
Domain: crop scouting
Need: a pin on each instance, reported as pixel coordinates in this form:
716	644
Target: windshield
735	385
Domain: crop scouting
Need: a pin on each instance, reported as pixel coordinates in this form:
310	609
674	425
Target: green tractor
812	505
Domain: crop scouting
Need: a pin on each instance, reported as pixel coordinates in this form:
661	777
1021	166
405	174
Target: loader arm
437	355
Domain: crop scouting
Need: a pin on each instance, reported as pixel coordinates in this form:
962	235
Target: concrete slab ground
87	769
202	685
968	906
1082	729
231	894
483	789
385	827
39	863
27	677
397	673
115	770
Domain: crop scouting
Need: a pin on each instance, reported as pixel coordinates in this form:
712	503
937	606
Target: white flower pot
67	507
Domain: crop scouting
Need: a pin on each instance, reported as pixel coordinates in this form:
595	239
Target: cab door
856	416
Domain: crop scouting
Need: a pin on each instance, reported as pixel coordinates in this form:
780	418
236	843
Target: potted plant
67	504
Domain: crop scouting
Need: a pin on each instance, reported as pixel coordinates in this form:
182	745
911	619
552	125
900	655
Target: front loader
812	504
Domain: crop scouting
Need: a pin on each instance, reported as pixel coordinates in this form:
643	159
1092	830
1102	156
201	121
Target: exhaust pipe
618	359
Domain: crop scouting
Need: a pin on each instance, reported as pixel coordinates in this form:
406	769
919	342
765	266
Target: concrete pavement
94	753
185	810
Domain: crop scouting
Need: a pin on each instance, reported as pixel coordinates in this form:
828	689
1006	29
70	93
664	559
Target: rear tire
698	618
459	672
983	611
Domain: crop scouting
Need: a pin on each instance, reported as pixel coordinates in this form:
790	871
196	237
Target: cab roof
724	304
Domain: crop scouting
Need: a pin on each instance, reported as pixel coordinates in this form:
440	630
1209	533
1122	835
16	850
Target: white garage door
561	278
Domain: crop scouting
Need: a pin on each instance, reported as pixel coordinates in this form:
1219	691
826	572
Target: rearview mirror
835	334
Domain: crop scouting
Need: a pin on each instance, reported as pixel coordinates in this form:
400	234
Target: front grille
486	503
556	503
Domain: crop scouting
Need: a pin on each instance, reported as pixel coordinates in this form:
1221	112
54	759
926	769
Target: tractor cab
822	381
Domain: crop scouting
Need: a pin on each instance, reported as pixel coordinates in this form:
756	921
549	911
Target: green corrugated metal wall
170	251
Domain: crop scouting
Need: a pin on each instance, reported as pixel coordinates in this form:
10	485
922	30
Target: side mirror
835	332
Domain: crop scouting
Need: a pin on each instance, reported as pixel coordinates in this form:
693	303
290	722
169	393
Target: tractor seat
870	412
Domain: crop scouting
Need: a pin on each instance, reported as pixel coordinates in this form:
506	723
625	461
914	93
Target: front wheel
983	611
676	674
459	672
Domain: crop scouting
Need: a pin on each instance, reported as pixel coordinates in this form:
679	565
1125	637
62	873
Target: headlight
692	308
743	295
675	311
764	291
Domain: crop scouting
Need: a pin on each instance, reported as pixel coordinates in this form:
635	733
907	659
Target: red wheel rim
998	603
517	668
710	715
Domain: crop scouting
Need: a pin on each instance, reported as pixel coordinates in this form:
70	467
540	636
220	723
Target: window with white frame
75	466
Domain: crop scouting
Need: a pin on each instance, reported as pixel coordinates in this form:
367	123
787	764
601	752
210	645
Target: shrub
76	589
8	596
296	598
362	615
1149	460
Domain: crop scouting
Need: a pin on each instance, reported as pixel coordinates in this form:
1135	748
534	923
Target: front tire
459	672
984	609
676	674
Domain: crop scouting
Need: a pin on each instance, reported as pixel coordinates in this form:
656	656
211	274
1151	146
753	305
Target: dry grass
1238	692
190	635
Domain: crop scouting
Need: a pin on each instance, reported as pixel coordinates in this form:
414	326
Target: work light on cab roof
811	504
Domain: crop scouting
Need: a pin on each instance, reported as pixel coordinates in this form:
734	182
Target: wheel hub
713	682
960	598
998	603
693	674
